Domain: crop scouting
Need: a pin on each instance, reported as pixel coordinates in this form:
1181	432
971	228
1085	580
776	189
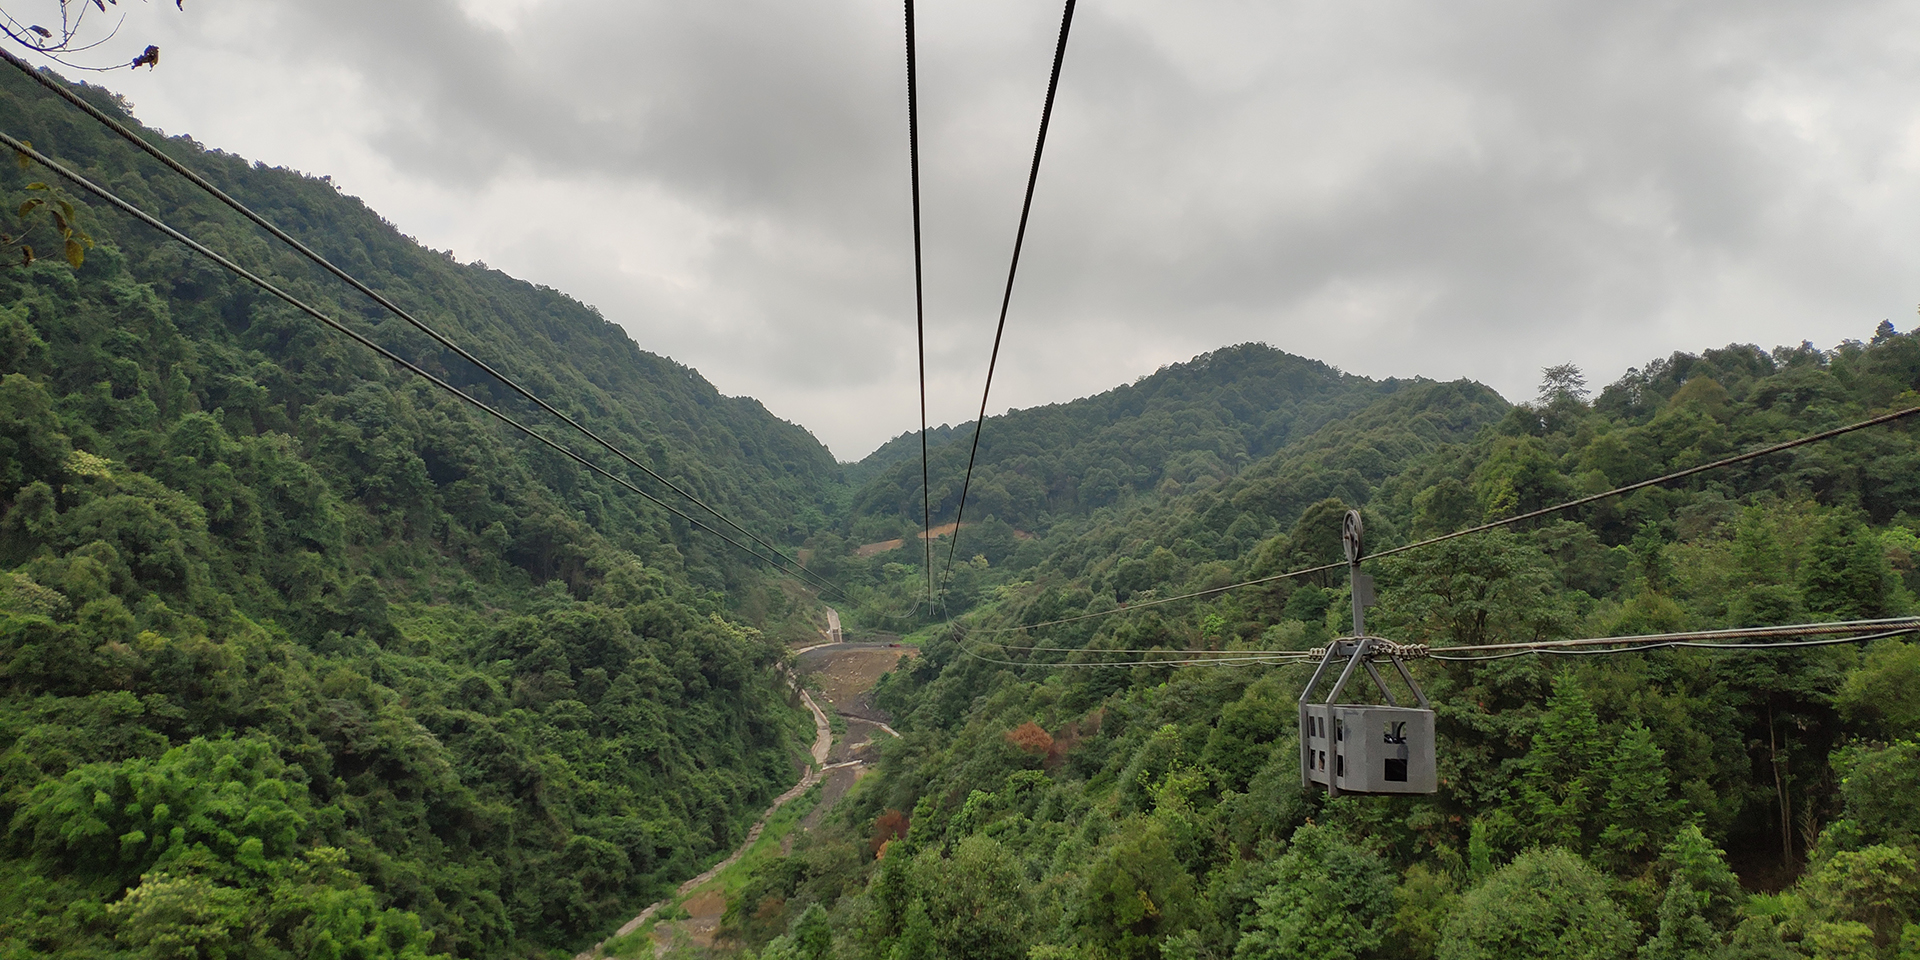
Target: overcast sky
1459	189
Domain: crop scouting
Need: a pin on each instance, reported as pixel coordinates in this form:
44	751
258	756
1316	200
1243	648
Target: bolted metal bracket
1358	653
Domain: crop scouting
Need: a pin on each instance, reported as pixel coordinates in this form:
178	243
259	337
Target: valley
844	673
303	655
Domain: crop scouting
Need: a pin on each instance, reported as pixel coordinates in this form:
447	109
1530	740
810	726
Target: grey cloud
1470	189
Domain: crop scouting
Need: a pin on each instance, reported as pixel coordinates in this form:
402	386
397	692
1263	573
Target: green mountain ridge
900	449
299	657
1211	414
1188	430
1077	800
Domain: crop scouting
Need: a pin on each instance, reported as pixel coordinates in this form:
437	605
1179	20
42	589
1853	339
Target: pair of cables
22	148
1504	651
1717	641
779	560
1006	299
1755	454
1855	631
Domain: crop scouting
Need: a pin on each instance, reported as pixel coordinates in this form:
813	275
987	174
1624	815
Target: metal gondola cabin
1365	747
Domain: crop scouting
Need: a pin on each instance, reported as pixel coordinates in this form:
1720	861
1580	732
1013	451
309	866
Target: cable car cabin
1373	749
1360	747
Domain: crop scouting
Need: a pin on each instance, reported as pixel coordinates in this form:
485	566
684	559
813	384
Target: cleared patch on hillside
845	672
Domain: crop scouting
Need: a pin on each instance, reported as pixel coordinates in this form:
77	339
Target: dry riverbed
844	674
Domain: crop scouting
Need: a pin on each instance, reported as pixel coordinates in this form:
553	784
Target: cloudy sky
1460	189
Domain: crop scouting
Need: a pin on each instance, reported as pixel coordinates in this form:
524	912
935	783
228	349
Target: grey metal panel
1368	745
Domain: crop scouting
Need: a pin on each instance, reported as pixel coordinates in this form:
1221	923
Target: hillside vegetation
298	657
1206	417
1651	805
1044	474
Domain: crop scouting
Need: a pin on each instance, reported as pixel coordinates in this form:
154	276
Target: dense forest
1043	474
1206	417
1651	805
299	657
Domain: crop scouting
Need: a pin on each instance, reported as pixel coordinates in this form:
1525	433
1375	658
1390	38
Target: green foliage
1639	811
1845	576
1244	739
1692	859
312	907
810	939
298	656
1881	787
1862	900
974	903
1546	903
1884	694
1137	891
1563	777
224	803
1683	934
1488	589
1422	903
1329	899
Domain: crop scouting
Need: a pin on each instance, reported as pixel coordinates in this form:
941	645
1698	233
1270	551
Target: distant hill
1209	416
903	448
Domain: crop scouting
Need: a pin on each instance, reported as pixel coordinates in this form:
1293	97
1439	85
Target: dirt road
845	674
822	746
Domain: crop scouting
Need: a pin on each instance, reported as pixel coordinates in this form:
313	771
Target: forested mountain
902	449
300	657
1206	417
1247	435
1680	803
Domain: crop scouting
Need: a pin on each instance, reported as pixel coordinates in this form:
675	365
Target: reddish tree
1030	738
891	826
1070	737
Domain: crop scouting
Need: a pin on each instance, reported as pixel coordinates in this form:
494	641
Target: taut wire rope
130	136
1729	633
1654	643
311	311
1019	237
1586	646
919	303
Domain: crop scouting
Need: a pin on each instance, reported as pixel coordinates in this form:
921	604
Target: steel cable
301	305
1704	636
1681	644
919	302
131	137
1019	238
1614	645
